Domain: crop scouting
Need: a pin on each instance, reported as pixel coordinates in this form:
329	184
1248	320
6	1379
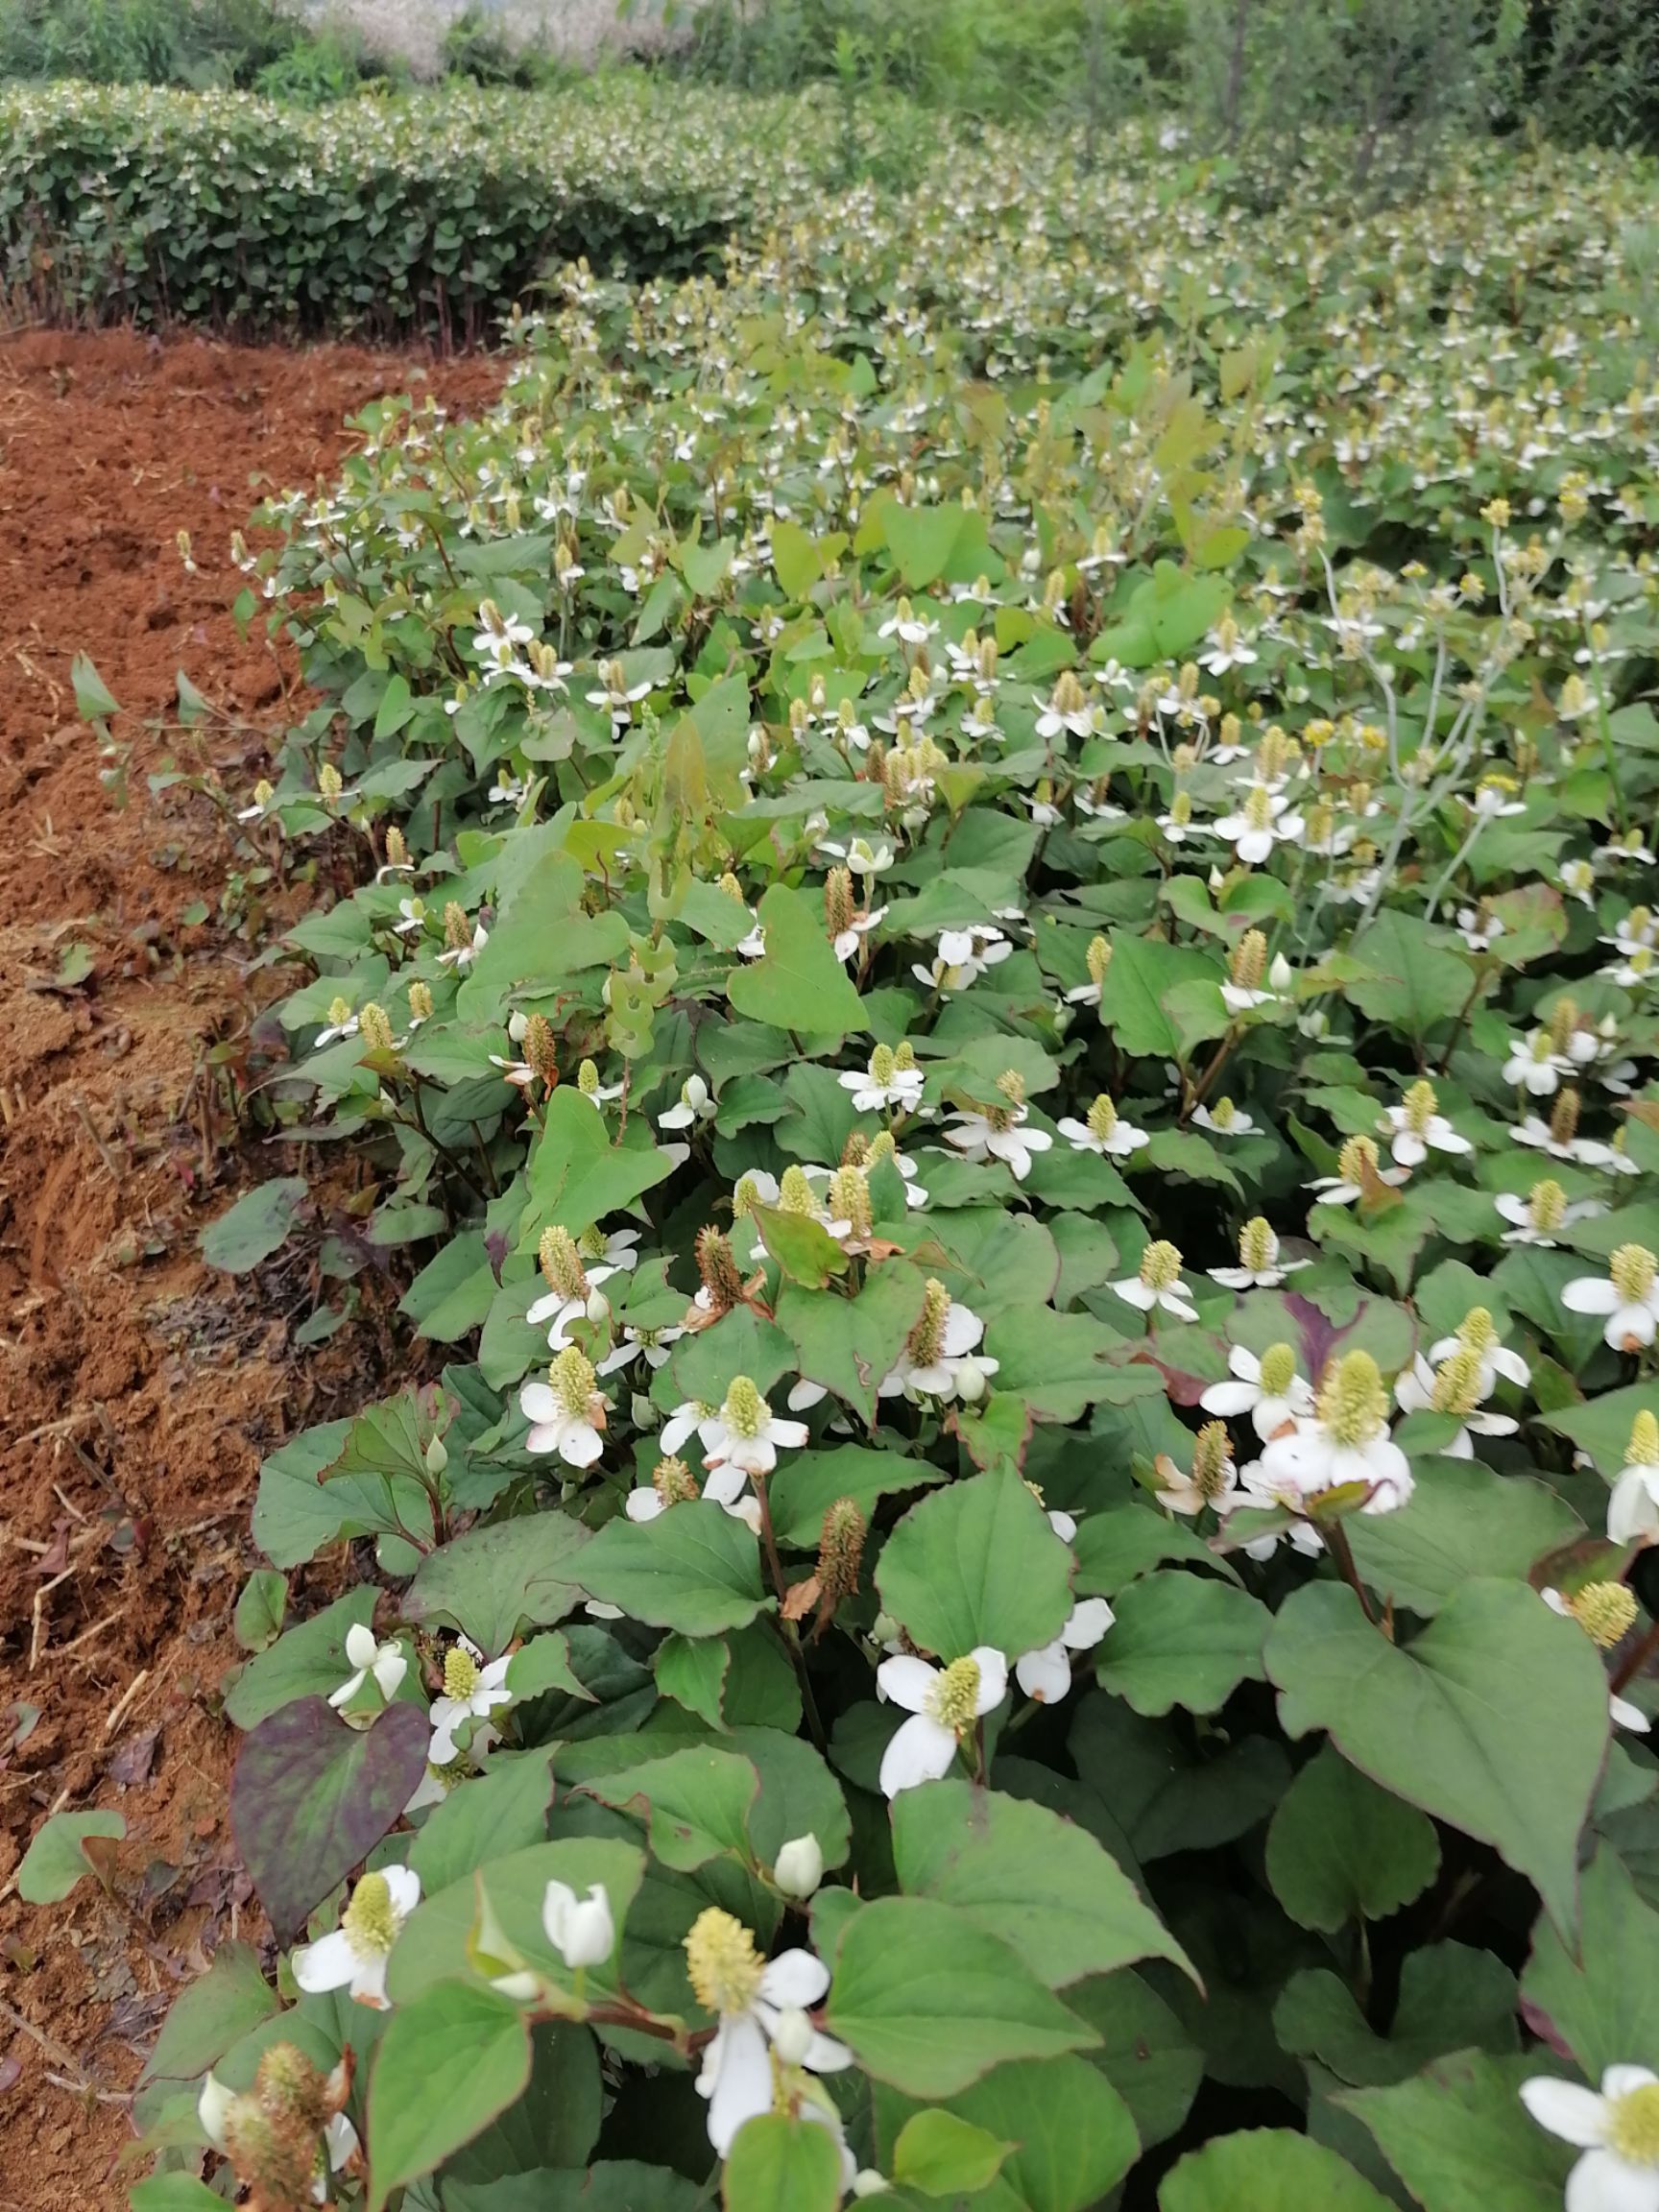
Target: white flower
581	1930
1628	1296
566	1413
1586	1151
693	1109
1268	1389
1046	1674
1260	823
761	2007
1543	1214
745	1435
945	1704
688	1416
1259	1267
1415	1127
884	1084
1618	2132
354	1956
963	956
1344	1441
938	1351
724	1488
471	1692
1478	1335
1159	1283
1224	1120
1633	1509
1534	1063
860	856
846	942
385	1662
997	1134
341	1023
461	958
1443	1388
652	1345
1104	1131
799	1867
1480	930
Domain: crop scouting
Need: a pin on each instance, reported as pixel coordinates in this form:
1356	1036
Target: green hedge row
426	216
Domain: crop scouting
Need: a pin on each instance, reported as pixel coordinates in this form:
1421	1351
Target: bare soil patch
138	1390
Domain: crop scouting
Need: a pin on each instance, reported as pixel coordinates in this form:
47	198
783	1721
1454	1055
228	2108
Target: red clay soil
138	1390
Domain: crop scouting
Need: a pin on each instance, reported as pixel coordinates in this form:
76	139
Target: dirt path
137	1390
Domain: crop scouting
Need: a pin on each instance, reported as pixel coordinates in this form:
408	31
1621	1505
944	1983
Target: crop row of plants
1003	995
430	215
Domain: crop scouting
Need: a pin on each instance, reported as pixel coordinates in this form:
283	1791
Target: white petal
1590	1294
742	2088
992	1677
1091	1617
536	1402
907	1681
329	1963
1620	2080
579	1445
360	1646
1046	1674
922	1751
1602	2182
795	1978
1566	2108
1230	1398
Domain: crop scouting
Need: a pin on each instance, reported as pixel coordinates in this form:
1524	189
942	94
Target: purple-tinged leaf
311	1798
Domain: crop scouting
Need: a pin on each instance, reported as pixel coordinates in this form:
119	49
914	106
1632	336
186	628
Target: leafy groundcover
1001	1010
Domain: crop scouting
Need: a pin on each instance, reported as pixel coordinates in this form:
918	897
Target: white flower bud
598	1307
1279	974
867	2182
517	1027
213	2110
437	1456
792	2037
969	1381
581	1930
799	1866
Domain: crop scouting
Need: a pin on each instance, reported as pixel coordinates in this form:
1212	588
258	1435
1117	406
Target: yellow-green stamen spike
954	1698
371	1919
1160	1265
1278	1370
722	1963
1605	1611
1353	1403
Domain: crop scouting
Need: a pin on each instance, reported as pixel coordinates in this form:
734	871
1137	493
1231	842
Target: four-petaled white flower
354	1956
1618	2132
963	956
1263	821
566	1413
997	1134
1159	1285
1267	1389
1105	1132
745	1435
471	1692
945	1705
1627	1295
762	2008
691	1109
884	1084
1440	1386
1415	1127
461	958
1259	1267
386	1662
